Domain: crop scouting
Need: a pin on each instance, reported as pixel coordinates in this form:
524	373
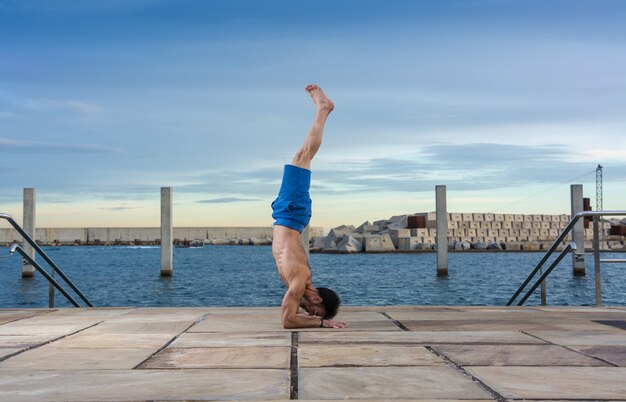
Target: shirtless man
292	212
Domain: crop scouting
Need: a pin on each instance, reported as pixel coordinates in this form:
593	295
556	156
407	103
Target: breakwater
147	235
465	231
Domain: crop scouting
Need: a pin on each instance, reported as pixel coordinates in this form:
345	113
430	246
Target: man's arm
289	309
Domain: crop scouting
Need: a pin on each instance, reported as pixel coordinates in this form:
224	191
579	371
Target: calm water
246	276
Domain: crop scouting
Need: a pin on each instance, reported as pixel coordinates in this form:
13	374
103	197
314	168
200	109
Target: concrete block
474	225
408	243
518	218
555	218
507	225
481	232
464	224
471	232
528	225
510	239
378	243
395	234
504	232
494	246
466	217
509	218
492	233
498	217
496	225
512	246
536	218
544	234
527	218
517	225
455	217
349	244
565	218
545	225
554	233
479	217
419	232
489	217
530	246
536	225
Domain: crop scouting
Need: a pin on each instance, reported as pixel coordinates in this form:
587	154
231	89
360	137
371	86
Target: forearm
300	321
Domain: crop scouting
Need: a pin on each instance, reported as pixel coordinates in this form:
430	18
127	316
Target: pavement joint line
570	349
464	372
168	343
47	342
38	313
398	323
293	367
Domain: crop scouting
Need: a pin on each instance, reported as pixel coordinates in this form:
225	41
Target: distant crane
599	200
599	188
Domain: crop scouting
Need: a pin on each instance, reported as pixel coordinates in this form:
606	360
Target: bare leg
313	140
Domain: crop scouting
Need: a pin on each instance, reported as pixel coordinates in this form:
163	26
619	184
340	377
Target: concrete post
442	230
305	239
28	223
578	232
167	251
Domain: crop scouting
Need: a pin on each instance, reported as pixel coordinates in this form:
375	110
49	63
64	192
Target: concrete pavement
386	353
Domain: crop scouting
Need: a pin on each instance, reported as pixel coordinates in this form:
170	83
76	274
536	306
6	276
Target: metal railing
570	247
55	268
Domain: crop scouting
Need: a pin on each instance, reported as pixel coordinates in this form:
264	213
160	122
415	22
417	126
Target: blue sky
506	102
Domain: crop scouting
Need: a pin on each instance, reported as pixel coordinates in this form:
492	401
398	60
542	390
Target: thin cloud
225	200
118	209
34	146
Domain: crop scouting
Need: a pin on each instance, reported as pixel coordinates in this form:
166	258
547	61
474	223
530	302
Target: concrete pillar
167	248
305	239
442	230
578	232
28	223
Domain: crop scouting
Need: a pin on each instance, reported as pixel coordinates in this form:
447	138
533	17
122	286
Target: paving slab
127	385
555	382
23	341
10	316
613	354
109	341
419	337
608	337
51	358
208	339
365	356
129	326
241	357
516	355
240	322
386	382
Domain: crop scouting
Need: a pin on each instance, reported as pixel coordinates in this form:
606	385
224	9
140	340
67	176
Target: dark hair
330	301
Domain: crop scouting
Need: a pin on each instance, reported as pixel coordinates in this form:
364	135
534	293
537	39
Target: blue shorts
292	207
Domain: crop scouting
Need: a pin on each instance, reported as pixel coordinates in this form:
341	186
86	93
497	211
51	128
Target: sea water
246	276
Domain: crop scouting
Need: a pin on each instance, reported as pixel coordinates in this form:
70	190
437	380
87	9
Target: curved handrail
56	269
558	241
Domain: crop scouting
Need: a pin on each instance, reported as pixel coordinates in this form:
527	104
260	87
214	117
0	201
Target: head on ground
330	301
320	302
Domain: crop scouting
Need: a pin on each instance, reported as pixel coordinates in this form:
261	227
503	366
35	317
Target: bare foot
319	98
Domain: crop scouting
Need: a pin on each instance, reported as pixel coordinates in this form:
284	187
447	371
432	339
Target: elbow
288	324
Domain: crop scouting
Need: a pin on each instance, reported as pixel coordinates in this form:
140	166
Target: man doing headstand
292	212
